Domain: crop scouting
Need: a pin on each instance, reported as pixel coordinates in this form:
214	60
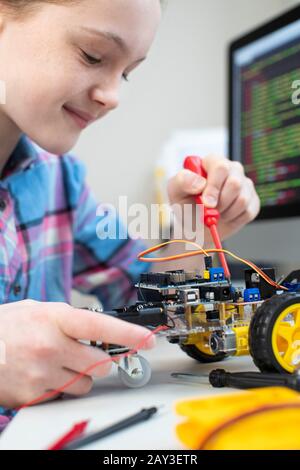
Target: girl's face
66	61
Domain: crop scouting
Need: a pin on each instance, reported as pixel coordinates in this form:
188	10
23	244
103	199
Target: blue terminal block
252	295
217	274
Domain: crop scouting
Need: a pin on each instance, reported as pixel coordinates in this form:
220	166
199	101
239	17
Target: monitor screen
265	112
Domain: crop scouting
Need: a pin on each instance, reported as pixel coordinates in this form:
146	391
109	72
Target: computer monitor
264	112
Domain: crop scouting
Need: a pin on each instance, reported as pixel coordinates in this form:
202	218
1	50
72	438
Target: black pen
142	415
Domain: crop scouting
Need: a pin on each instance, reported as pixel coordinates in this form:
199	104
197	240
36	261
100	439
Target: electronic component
253	280
144	315
215	293
216	274
252	295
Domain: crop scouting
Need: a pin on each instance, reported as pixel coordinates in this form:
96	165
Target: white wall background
182	85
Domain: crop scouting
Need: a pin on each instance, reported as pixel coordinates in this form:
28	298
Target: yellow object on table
265	418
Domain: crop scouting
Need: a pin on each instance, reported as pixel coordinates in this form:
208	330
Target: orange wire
201	251
158	247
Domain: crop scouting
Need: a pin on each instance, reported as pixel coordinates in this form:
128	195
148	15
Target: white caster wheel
135	371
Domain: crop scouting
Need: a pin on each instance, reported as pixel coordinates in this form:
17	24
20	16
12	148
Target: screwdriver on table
219	378
211	216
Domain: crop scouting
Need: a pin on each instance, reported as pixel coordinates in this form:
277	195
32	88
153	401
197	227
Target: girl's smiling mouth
81	118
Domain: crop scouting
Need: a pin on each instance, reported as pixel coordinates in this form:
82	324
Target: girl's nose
108	97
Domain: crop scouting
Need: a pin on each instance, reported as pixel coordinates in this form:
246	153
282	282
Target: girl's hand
226	189
40	352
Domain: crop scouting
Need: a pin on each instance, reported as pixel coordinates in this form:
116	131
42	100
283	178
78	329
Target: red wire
218	245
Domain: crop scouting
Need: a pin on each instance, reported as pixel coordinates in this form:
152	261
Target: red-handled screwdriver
211	216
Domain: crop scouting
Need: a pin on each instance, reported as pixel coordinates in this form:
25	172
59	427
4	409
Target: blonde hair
20	8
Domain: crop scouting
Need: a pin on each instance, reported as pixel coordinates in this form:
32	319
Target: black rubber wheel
261	329
195	353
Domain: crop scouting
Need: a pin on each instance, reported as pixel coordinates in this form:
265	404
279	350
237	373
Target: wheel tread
259	332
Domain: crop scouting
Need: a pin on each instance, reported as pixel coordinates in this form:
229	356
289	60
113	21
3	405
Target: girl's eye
94	61
91	60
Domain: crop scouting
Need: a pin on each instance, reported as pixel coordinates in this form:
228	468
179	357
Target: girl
62	63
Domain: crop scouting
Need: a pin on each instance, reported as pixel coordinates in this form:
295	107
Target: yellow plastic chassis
285	335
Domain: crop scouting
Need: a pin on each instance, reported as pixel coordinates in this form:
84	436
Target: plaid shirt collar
22	157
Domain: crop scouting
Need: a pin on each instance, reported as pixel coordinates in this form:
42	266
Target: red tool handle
211	216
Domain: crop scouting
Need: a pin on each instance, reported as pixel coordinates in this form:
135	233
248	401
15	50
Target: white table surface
109	401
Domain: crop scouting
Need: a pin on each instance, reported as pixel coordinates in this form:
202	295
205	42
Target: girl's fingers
83	324
238	207
226	189
88	359
245	208
233	186
75	385
240	221
184	184
217	170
